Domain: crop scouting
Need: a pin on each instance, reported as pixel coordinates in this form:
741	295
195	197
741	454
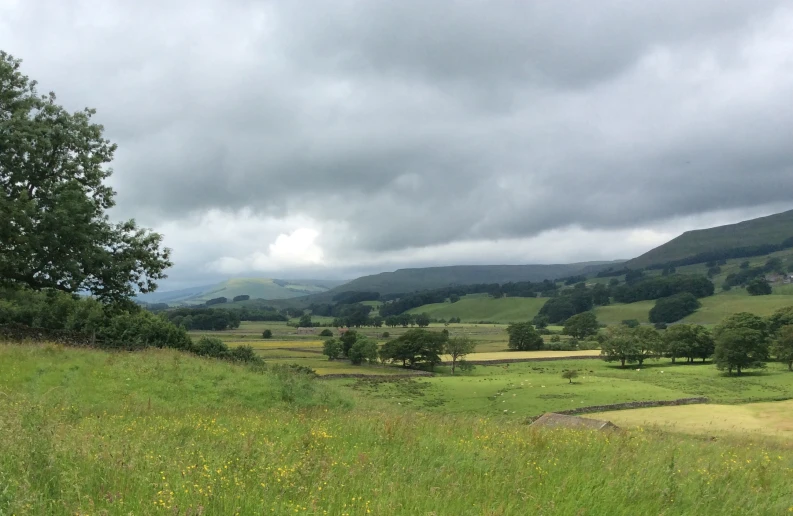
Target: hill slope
484	308
257	288
773	229
411	280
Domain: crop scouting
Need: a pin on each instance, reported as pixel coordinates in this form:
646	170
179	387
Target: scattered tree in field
624	344
332	349
741	343
363	349
523	337
267	334
673	308
745	264
558	309
422	320
540	321
782	347
326	333
347	340
581	326
386	334
415	346
758	287
54	230
570	374
459	347
714	271
242	297
454	298
305	321
780	318
687	341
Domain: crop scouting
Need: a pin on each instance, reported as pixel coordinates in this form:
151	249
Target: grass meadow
159	432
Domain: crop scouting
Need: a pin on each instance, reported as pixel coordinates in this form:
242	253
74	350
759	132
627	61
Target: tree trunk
673	359
453	362
739	370
790	366
622	361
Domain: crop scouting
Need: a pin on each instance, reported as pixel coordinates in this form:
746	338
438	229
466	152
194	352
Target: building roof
553	420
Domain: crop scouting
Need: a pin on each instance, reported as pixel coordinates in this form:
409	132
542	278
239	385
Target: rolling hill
411	280
773	229
481	307
257	288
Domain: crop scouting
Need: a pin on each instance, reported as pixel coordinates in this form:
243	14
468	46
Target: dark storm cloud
413	124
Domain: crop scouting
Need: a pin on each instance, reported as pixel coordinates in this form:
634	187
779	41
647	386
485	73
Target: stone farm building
553	420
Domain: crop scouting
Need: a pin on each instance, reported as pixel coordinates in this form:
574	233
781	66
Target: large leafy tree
523	337
582	325
741	342
782	348
54	231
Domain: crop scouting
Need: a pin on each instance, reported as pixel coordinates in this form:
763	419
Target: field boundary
626	406
334	376
528	359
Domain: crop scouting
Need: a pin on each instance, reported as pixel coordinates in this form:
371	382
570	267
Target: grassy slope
257	288
87	432
765	230
410	280
484	308
713	309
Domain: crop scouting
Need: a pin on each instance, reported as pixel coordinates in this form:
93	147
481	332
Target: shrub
211	347
386	335
556	338
326	333
630	323
267	334
244	354
660	326
465	367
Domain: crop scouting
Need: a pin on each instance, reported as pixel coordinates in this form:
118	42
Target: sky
331	139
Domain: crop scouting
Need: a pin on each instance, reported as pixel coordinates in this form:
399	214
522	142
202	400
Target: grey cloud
417	124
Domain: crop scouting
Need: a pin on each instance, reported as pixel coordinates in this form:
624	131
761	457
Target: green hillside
257	288
713	310
773	229
484	308
411	280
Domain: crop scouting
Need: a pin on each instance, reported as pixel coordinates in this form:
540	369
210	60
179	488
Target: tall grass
89	432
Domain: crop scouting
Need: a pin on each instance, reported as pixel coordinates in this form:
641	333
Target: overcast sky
335	138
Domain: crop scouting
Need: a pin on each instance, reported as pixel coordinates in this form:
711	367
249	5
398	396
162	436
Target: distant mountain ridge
256	288
763	231
414	279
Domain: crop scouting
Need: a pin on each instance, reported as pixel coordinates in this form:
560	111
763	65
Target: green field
713	309
772	419
159	432
481	307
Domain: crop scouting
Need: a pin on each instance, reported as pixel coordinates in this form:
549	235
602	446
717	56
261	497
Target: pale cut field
773	418
502	355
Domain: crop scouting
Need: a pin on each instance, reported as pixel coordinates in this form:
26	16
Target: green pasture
161	432
481	307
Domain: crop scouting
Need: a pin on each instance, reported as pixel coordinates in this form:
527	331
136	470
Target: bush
332	349
465	367
211	347
569	345
244	354
363	349
386	335
267	334
660	326
556	338
326	333
630	323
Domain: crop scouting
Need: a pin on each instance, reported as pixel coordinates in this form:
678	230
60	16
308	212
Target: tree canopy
54	230
523	337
